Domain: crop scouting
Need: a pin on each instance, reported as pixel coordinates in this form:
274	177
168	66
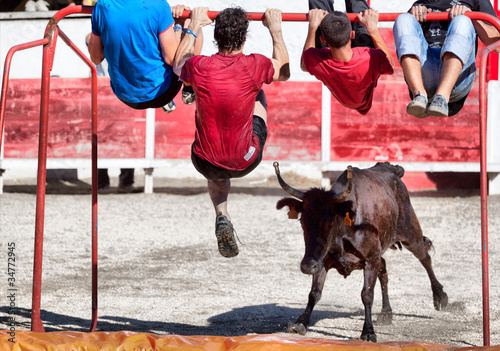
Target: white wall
18	28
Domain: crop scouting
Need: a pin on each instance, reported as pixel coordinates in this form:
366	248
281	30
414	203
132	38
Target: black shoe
105	190
224	232
128	189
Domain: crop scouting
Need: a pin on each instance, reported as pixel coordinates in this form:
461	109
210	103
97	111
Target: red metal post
493	59
89	63
484	189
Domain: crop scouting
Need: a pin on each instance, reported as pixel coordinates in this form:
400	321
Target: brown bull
350	227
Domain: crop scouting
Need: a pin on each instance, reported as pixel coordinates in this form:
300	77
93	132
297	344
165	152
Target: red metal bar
387	17
89	63
48	59
49	43
5	79
484	189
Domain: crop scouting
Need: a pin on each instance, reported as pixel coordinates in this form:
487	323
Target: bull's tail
427	243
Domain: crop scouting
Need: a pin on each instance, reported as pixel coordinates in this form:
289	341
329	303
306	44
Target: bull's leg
300	326
439	296
385	317
370	275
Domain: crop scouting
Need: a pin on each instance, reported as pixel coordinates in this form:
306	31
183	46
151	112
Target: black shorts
159	101
214	173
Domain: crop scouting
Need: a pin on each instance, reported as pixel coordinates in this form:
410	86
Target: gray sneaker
224	232
188	98
170	107
438	106
418	106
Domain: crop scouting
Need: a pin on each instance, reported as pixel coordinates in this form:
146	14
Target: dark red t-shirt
226	87
351	82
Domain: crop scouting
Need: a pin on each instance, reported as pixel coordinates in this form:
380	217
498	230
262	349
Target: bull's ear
294	205
342	207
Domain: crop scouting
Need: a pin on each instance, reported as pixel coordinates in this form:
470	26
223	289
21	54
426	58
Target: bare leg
452	66
413	74
218	192
261	106
224	230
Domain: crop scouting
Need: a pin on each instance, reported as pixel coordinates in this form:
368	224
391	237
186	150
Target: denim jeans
460	40
362	37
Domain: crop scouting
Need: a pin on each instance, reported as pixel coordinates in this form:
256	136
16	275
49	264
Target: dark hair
336	29
231	27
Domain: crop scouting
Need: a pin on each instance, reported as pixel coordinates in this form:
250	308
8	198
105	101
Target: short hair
231	26
336	29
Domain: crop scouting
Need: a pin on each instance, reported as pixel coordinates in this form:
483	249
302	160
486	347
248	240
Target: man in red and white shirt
231	109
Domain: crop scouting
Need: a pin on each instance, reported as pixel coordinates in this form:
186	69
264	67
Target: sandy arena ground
160	271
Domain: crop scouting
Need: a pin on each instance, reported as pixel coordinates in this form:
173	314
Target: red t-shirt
351	82
226	87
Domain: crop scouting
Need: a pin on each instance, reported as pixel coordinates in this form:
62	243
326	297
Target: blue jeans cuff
409	45
459	45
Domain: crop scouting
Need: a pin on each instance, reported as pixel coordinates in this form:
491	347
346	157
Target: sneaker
438	106
224	232
42	6
170	107
418	106
188	98
30	6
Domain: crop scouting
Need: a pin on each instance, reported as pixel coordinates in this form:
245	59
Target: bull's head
321	214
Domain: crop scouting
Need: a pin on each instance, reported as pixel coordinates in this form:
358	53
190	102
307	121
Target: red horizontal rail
299	17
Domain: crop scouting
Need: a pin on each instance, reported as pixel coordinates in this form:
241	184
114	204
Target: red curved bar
484	188
6	74
37	275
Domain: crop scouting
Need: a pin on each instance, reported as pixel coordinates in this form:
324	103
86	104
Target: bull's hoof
368	333
371	337
384	318
297	328
440	301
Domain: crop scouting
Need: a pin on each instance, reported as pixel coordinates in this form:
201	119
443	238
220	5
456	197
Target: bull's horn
294	192
342	196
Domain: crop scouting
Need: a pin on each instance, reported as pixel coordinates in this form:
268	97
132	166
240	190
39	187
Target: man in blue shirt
138	40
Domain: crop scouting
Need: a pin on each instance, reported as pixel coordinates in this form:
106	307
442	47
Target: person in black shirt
438	57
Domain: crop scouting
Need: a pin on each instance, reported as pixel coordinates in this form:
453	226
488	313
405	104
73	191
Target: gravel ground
160	271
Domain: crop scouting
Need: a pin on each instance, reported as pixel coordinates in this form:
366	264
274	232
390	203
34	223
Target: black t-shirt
435	31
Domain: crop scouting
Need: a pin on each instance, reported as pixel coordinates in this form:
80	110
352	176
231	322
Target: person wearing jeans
438	57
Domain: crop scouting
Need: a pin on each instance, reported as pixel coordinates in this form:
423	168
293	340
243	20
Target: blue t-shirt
129	31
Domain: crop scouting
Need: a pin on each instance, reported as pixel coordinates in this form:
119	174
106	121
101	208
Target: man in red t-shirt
231	109
351	74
